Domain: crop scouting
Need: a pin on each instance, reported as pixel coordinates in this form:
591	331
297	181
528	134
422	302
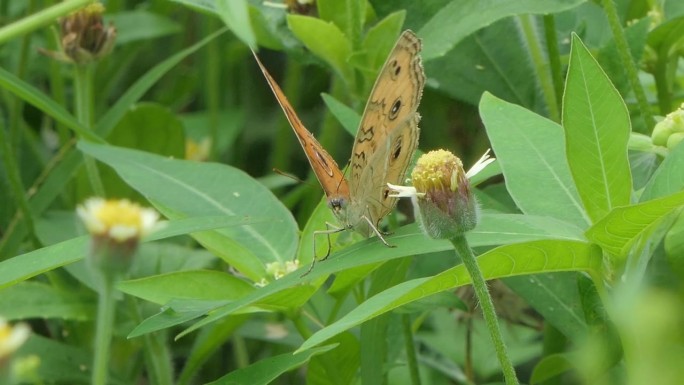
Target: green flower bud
672	124
84	37
446	203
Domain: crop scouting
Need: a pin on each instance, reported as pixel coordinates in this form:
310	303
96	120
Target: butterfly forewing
324	166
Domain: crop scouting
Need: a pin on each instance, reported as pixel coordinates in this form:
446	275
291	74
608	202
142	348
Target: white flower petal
483	162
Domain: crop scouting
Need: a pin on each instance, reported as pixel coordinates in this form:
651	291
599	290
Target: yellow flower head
12	337
441	194
119	220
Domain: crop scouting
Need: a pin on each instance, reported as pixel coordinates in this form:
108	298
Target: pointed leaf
265	371
510	260
531	151
618	231
184	189
597	126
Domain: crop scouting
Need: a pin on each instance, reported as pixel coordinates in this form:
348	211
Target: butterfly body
385	141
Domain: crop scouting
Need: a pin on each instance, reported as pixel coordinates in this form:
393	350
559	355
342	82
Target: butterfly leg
376	231
329	229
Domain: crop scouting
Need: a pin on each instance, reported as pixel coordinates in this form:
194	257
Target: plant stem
411	360
103	331
84	98
40	19
532	41
553	55
628	62
157	356
463	250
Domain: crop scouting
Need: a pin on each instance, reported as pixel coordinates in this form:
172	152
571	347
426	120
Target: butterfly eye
395	109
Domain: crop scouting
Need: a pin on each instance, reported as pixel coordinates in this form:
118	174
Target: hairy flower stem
103	332
463	250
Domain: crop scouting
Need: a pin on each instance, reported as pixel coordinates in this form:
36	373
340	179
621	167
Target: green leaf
668	178
181	189
141	25
459	19
555	296
202	285
59	362
25	266
324	40
482	62
618	230
65	170
550	367
235	13
38	300
347	15
268	369
33	96
349	118
531	151
409	241
39	19
504	261
380	40
596	124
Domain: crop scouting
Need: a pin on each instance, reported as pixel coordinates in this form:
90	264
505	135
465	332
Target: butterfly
385	142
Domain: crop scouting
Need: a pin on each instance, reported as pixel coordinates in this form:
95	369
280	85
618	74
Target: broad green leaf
459	19
141	25
504	261
409	241
668	178
596	124
342	362
550	367
25	266
61	363
349	118
66	168
531	152
618	230
210	340
556	298
347	15
380	40
482	62
147	127
181	188
199	284
235	13
268	369
38	300
324	40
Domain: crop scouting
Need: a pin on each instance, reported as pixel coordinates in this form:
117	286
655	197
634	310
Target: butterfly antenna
293	177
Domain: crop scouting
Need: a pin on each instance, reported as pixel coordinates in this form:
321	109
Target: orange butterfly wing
324	166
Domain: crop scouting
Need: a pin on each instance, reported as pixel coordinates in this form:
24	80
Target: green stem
14	177
40	19
103	331
84	99
628	62
532	41
410	347
157	356
553	54
463	250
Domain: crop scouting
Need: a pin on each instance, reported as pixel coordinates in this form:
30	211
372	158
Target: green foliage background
581	213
